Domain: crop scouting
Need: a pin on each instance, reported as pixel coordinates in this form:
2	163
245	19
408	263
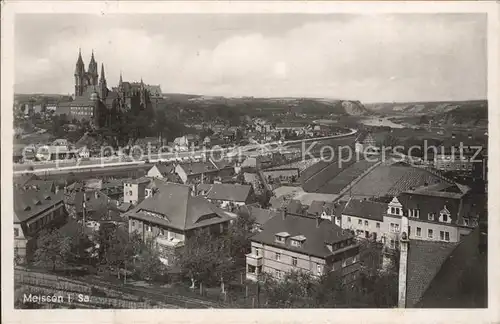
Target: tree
238	236
199	258
147	263
52	249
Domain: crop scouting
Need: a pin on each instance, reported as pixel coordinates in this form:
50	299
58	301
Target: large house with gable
172	214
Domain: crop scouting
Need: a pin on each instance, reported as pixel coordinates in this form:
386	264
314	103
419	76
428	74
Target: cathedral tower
103	88
79	75
93	76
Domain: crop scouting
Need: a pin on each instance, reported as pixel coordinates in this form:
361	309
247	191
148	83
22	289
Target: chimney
318	221
453	135
470	136
403	262
56	189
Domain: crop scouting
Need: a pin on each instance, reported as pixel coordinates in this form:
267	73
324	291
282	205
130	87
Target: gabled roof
30	202
365	209
462	279
318	207
260	215
194	168
179	208
163	168
21	180
431	204
424	261
317	237
229	192
294	207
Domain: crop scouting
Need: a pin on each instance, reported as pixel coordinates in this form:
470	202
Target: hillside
433	107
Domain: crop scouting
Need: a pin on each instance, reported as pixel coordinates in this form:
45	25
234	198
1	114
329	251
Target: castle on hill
94	101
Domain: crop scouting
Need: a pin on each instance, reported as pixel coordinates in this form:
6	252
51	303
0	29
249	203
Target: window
466	222
393	210
392	228
16	232
294	261
150	229
378	225
319	268
133	223
277	256
360	222
396	228
162	231
296	243
430	216
430	233
278	273
257	251
366	223
280	239
130	193
447	236
441	235
409	230
348	219
419	231
393	244
444	217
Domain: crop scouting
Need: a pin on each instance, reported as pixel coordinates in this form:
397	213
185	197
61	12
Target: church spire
103	77
80	66
121	80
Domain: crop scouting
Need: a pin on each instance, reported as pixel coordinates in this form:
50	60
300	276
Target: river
377	121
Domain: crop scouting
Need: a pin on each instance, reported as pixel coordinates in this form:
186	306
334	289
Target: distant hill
429	108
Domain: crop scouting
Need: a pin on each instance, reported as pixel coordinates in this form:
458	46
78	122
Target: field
391	180
345	177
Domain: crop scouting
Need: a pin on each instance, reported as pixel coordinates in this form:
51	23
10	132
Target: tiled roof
95	201
21	180
462	281
260	215
164	169
28	203
294	207
424	261
431	204
317	237
229	192
365	209
317	207
192	168
179	208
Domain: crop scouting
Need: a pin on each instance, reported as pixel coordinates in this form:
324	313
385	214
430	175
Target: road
117	161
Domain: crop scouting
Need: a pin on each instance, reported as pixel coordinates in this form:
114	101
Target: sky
371	58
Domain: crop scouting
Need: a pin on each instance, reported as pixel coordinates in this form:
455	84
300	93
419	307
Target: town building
365	218
295	242
36	207
172	215
226	195
134	191
163	171
327	210
439	212
197	172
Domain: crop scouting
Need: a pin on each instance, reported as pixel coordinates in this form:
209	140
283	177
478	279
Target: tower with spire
79	75
93	76
103	88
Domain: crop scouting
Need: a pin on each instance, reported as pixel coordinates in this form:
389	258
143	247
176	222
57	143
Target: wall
304	261
371	228
134	193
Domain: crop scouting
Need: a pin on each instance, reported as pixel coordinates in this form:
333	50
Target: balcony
254	260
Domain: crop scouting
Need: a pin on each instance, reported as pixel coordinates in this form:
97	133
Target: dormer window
298	240
281	237
431	216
